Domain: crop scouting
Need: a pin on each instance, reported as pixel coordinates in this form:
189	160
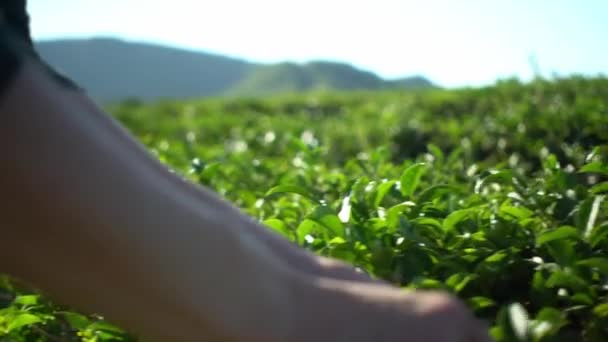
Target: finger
481	334
339	270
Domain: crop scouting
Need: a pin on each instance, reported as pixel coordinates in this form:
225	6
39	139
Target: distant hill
412	82
291	77
112	69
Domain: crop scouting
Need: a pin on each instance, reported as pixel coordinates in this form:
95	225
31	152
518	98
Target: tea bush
496	194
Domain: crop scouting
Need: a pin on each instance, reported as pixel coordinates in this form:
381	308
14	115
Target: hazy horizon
466	43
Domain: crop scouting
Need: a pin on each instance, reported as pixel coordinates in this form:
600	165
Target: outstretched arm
85	207
88	216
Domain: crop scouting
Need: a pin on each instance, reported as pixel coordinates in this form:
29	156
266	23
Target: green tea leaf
519	213
294	189
427	221
551	162
497	333
595	167
500	177
279	227
565	279
601	264
106	327
583	212
76	320
547	322
582	298
601	310
601	188
327	218
306	227
479	302
552	315
436	152
564	232
459	281
211	170
382	190
337	241
458	216
26	300
23	320
598	235
497	257
426	283
436	191
410	179
562	250
395	212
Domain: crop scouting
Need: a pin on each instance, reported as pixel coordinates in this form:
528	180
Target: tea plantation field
495	194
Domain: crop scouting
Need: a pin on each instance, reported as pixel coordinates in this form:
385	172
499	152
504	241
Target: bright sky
454	43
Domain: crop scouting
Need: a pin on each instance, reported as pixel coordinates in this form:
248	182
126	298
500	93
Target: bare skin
296	257
88	216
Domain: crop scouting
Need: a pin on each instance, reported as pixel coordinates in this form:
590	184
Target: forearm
118	237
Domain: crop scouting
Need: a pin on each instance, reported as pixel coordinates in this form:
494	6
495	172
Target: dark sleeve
12	53
16	18
15	15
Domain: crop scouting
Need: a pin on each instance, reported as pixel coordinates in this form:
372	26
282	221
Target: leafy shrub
497	195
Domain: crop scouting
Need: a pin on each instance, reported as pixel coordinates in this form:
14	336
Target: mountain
291	77
112	69
412	82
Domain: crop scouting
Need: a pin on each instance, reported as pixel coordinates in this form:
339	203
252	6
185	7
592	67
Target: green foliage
28	317
496	195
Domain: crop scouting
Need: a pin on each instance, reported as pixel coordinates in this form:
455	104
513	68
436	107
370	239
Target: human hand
336	310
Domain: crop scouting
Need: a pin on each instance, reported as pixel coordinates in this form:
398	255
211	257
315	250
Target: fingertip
482	333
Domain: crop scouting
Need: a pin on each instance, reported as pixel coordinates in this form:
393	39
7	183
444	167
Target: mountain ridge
114	69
